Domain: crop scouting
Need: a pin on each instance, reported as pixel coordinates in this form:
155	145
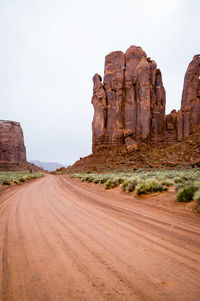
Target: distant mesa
12	148
49	166
11	142
129	105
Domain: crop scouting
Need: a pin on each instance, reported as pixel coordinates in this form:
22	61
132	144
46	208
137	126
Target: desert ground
61	239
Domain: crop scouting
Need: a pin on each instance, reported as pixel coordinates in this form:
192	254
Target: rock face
190	104
129	106
180	125
11	142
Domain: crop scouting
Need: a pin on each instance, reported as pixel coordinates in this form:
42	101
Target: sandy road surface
64	240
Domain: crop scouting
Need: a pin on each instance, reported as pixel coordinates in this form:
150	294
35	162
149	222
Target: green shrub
126	179
96	181
186	193
119	180
148	186
197	199
110	184
129	185
161	177
124	185
22	179
90	179
178	180
85	179
168	183
14	177
103	180
16	182
179	186
186	177
197	183
196	196
6	182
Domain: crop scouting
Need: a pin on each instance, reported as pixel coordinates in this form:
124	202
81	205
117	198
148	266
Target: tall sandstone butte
129	106
190	104
12	147
179	125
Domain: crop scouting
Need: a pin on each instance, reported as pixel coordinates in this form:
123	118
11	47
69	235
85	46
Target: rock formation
129	106
11	142
180	125
190	104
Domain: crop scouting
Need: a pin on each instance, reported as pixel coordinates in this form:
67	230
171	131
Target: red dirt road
61	240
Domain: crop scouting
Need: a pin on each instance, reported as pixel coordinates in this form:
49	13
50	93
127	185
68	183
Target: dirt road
63	240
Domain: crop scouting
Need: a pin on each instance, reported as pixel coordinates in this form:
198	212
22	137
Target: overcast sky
50	50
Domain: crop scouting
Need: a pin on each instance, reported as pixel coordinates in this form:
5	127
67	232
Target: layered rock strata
129	106
12	147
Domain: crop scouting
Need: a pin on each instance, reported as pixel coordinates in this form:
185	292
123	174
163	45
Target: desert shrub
161	177
96	181
110	184
21	179
129	185
85	178
33	177
74	176
186	177
119	180
14	177
186	193
123	185
168	183
26	178
90	179
178	180
103	179
6	182
179	186
165	188
125	179
16	182
107	184
149	186
196	196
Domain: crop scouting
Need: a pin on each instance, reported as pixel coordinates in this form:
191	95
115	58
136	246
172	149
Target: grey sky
50	50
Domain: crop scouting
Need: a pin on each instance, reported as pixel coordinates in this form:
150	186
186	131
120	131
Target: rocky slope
185	154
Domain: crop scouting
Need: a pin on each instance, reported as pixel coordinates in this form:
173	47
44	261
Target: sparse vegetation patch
186	182
186	193
8	178
149	186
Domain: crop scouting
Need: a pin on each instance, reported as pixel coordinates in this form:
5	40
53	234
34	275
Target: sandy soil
61	239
